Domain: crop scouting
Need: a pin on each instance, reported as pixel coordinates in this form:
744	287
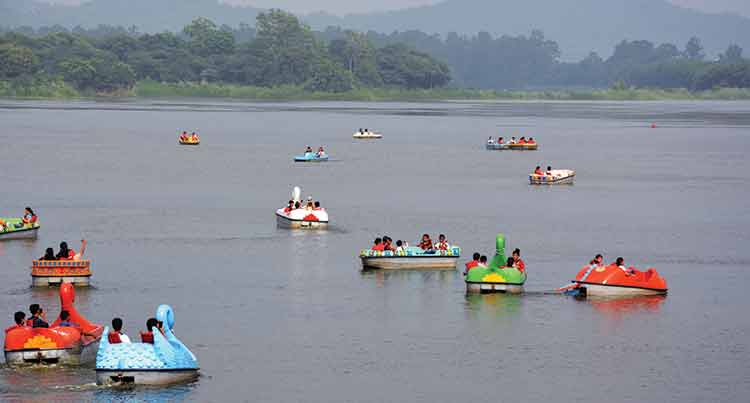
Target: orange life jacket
114	338
147	337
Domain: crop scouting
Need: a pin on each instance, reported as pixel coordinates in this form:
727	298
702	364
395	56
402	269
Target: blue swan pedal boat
311	157
165	362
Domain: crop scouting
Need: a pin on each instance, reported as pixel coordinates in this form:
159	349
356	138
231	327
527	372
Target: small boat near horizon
556	177
366	134
311	157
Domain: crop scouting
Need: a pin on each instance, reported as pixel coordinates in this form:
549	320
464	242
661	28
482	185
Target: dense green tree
81	73
206	39
694	49
16	61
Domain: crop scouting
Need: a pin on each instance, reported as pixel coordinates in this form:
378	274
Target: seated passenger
184	136
549	170
426	243
49	254
596	262
482	262
65	320
379	246
474	262
620	263
20	321
308	150
538	171
321	152
148	335
388	244
500	141
289	207
522	140
510	262
37	316
29	218
193	137
297	205
65	253
489	140
400	247
517	262
512	140
116	336
3	226
442	244
530	141
317	206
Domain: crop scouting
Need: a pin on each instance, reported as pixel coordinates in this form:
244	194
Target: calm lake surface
280	316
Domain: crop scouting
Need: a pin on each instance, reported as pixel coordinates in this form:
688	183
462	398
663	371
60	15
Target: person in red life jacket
530	141
65	320
482	262
378	245
317	206
538	171
522	140
20	319
65	253
148	335
183	136
474	262
442	244
388	244
38	318
193	137
29	217
116	336
517	262
289	207
500	140
426	243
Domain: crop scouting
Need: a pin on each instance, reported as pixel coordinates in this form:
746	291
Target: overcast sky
355	6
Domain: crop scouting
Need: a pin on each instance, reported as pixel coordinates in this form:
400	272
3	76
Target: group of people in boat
189	137
386	244
38	318
522	140
319	154
310	205
29	219
65	252
538	171
598	262
364	131
117	336
479	260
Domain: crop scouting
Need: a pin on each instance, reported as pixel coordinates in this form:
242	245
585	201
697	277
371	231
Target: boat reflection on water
443	278
498	305
618	306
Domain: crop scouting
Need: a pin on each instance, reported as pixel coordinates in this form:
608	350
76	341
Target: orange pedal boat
56	344
54	272
612	281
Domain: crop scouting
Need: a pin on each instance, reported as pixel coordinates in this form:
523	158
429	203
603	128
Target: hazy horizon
340	7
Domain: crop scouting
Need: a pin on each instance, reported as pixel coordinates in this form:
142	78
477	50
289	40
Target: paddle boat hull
11	232
367	136
558	177
412	259
189	143
513	147
67	345
46	273
145	377
301	219
165	361
310	158
612	281
495	278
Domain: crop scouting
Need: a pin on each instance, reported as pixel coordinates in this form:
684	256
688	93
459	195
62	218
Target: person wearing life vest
184	136
38	318
538	171
482	262
530	141
148	335
194	137
512	140
474	262
321	152
517	262
29	217
442	244
522	140
500	141
426	243
378	245
289	207
20	321
116	336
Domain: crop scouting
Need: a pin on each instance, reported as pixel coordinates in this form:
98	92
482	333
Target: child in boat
148	335
400	247
538	171
517	262
510	262
65	320
442	244
482	262
49	254
20	321
116	336
426	243
473	263
37	317
379	246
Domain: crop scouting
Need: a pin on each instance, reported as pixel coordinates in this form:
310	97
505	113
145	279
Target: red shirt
425	245
380	247
442	245
472	264
520	265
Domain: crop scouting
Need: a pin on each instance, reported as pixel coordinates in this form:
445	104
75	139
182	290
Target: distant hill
579	26
147	15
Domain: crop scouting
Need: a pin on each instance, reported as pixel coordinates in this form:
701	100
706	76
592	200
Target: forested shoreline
281	58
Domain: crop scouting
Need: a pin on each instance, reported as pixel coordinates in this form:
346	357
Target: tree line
280	50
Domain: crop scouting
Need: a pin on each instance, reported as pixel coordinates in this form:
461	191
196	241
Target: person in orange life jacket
426	243
388	244
379	246
474	262
38	319
49	254
29	218
500	140
20	321
522	140
65	320
184	136
538	171
116	336
442	243
148	335
194	137
518	263
530	141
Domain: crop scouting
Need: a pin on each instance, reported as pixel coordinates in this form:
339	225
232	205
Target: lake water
278	315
